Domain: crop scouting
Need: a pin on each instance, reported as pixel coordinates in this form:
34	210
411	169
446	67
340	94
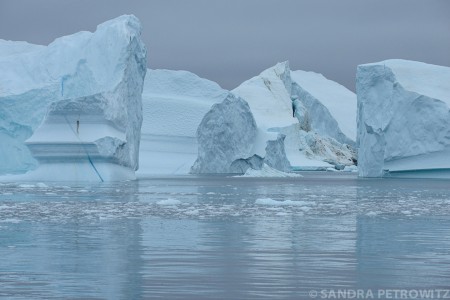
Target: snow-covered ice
403	119
72	110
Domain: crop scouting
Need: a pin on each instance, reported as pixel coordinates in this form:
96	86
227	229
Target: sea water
221	237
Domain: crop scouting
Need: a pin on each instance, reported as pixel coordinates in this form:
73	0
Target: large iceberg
73	110
290	123
174	104
317	116
403	119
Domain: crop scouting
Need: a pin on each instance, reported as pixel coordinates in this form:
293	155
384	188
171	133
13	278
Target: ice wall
403	119
174	104
80	91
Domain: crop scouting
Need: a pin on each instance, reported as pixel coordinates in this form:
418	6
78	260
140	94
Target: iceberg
174	104
403	119
317	116
226	136
72	110
288	123
228	142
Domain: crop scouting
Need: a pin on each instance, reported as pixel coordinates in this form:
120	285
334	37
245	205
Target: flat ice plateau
403	119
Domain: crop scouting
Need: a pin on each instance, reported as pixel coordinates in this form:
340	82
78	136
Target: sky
230	41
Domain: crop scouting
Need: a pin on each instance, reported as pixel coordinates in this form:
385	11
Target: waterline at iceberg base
223	237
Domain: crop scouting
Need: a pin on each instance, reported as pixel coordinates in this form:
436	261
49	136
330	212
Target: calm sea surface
223	237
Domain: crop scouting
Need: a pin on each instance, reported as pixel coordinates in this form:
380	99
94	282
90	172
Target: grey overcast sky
229	41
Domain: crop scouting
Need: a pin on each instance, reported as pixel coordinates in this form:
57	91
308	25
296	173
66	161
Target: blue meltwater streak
84	148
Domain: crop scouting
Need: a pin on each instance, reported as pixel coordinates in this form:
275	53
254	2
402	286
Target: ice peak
280	70
127	23
124	27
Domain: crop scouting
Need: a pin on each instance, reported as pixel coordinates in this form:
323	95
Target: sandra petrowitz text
380	294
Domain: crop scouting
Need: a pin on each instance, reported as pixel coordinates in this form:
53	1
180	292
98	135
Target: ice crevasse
72	110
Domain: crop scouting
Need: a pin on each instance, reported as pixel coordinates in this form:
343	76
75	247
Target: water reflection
408	254
87	261
357	234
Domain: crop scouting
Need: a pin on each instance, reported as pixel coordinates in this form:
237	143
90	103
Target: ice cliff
174	104
73	110
403	119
